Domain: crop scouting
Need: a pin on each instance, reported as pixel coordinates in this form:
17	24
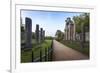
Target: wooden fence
46	57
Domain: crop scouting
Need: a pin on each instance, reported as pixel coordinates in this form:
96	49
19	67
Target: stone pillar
71	36
74	35
39	37
72	29
41	34
69	32
28	32
37	33
73	32
66	30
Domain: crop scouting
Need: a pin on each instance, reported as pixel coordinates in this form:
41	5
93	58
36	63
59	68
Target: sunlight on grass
26	56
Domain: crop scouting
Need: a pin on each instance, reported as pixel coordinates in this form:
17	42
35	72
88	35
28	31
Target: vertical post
70	32
28	30
45	54
82	35
40	55
52	44
67	30
48	54
32	56
74	27
37	33
51	52
41	34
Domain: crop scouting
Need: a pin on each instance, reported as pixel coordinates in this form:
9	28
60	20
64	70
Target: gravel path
62	52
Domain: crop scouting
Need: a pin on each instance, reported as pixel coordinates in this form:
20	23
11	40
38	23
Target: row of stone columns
28	32
39	33
70	30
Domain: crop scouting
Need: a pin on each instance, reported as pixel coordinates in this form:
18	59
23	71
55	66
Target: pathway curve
62	52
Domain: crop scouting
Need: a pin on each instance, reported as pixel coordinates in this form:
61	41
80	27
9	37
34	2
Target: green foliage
77	22
48	37
81	19
59	35
26	56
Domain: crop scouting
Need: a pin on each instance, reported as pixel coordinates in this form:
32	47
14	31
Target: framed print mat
51	36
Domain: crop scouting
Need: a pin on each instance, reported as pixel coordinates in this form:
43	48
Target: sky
50	21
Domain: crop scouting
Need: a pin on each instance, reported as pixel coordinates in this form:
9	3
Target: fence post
51	44
45	54
51	52
40	55
32	56
48	54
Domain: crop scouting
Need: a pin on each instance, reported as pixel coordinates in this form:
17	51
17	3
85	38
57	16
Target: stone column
74	35
66	30
69	32
37	33
39	37
41	34
28	32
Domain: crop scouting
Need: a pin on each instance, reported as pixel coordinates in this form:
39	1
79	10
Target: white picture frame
16	66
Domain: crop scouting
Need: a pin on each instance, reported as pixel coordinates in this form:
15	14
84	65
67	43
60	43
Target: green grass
77	46
26	56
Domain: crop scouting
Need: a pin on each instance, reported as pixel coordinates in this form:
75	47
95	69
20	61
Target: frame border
58	6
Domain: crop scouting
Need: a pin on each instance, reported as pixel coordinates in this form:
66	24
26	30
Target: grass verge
77	46
26	56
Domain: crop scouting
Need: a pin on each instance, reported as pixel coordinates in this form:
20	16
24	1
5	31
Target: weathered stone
41	34
37	33
69	29
28	32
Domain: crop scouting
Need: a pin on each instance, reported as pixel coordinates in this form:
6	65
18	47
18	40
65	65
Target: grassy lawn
26	56
77	46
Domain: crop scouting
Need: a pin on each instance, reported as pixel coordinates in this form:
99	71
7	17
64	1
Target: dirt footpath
61	52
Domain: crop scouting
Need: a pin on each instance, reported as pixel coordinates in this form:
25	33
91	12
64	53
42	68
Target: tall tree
82	25
59	34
